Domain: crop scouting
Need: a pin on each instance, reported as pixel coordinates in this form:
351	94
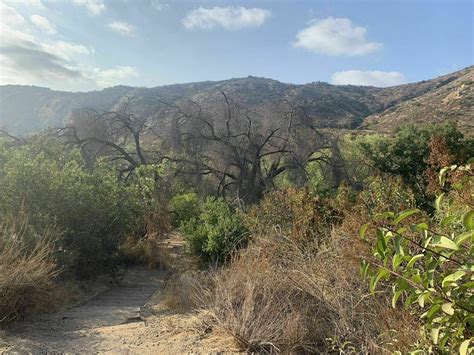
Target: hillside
25	109
451	99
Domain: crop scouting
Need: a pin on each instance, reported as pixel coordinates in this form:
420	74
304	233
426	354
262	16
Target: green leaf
422	298
467	286
432	312
395	297
468	220
364	267
448	308
430	272
413	260
363	230
410	299
405	214
446	243
453	277
463	237
447	220
376	278
416	279
438	201
396	261
442	175
397	244
381	244
422	226
464	347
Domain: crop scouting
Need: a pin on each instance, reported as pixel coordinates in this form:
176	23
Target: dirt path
81	328
118	321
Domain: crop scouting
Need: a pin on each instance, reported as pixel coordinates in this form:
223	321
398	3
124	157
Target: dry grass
26	275
275	297
281	294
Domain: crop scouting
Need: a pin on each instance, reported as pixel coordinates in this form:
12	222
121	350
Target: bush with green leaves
52	184
215	233
429	262
406	154
184	207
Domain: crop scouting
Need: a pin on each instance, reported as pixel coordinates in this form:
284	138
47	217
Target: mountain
450	99
25	109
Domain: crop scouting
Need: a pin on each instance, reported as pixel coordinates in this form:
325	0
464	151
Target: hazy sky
91	44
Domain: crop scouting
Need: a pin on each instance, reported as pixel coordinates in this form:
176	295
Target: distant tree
118	135
245	151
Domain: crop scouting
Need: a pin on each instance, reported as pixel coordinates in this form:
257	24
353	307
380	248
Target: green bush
184	207
407	153
428	262
91	208
215	233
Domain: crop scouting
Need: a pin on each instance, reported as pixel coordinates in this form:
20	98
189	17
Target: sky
82	45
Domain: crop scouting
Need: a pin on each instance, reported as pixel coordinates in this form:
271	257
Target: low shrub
298	213
215	233
184	207
297	287
27	271
275	296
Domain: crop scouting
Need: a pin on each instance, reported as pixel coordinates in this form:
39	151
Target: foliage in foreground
429	262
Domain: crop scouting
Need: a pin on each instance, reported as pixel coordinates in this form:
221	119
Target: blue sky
91	44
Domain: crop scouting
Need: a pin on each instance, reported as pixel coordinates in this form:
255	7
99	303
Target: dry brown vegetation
285	294
26	275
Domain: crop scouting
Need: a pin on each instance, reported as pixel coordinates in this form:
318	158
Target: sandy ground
118	321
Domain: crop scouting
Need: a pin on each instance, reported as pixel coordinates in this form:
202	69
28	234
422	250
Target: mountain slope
451	100
25	109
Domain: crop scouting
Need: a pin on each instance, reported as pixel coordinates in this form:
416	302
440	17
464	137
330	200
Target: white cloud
230	18
67	50
123	28
9	16
159	5
32	60
38	4
95	7
368	78
115	76
43	24
335	36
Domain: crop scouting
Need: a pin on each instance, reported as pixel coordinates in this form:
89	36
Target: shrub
407	153
276	296
215	233
184	207
91	208
298	213
27	270
429	263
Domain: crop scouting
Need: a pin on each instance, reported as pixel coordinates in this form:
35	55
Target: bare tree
245	151
118	135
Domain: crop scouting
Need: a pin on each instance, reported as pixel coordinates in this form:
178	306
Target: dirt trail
118	321
81	328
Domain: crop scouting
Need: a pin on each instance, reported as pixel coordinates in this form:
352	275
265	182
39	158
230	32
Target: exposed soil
120	320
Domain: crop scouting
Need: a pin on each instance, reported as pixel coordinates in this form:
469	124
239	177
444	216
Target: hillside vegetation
25	109
303	237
